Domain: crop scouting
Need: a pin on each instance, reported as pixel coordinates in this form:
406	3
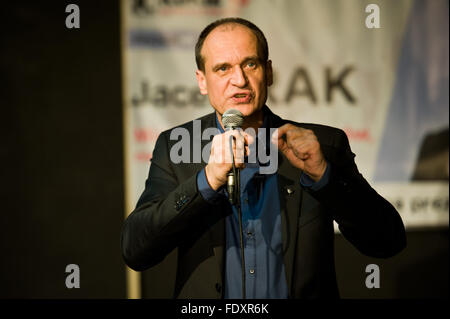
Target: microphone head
232	119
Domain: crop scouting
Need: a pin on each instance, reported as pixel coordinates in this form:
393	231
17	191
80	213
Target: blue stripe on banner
162	39
147	39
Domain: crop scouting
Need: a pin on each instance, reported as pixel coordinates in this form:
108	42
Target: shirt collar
264	125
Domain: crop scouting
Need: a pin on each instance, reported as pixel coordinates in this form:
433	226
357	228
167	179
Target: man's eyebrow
219	65
246	59
252	58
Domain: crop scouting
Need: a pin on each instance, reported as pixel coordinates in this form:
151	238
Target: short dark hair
263	48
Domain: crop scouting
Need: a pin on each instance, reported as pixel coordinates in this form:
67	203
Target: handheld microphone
232	119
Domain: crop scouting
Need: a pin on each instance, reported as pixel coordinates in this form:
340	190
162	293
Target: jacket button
218	287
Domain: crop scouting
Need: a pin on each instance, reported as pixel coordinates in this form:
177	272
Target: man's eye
251	64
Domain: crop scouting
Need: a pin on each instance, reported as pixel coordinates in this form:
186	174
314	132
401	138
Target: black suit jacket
172	214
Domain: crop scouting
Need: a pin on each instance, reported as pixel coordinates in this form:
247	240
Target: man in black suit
287	215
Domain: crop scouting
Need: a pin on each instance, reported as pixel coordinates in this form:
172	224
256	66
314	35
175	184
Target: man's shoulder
327	135
278	121
317	127
312	126
207	120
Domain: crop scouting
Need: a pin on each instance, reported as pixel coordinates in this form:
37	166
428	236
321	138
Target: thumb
278	140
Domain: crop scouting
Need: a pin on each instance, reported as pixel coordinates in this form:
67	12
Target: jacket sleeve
364	217
167	214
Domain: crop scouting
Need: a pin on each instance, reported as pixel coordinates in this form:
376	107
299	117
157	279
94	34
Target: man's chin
245	109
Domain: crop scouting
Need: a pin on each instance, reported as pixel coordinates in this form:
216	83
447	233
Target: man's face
234	76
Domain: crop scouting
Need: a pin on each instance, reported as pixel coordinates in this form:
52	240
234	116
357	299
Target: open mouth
242	97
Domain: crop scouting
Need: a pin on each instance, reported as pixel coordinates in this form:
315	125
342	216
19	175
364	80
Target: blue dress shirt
263	246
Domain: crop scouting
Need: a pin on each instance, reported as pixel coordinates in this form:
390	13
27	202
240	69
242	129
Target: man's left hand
302	149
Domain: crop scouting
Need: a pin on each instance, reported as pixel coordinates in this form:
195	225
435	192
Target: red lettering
143	156
142	135
358	134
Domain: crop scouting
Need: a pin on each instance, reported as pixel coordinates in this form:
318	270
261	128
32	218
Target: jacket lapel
290	194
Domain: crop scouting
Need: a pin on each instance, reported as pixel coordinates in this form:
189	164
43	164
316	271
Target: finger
248	138
293	158
229	149
284	135
309	146
281	145
302	148
238	134
219	150
239	149
301	154
275	136
282	130
247	150
211	153
278	140
214	149
233	146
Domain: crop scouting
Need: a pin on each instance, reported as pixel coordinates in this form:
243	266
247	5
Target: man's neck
254	120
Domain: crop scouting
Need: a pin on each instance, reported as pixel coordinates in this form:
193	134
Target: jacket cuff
308	182
208	194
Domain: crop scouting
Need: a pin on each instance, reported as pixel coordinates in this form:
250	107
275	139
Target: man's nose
238	77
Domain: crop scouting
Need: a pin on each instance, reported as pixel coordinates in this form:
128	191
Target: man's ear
201	81
269	73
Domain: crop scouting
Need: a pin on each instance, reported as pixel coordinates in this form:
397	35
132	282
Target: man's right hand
220	160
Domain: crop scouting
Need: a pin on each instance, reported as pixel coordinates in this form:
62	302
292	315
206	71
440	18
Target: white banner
387	87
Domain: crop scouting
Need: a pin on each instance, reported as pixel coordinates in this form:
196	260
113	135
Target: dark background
62	106
62	168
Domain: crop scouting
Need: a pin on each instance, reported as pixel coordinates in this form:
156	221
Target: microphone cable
236	201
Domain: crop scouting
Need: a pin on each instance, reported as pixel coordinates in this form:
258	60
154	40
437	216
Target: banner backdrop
387	87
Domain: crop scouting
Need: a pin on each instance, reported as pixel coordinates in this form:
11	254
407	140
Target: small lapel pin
289	190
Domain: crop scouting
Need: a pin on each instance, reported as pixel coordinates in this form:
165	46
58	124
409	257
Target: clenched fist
220	160
302	149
